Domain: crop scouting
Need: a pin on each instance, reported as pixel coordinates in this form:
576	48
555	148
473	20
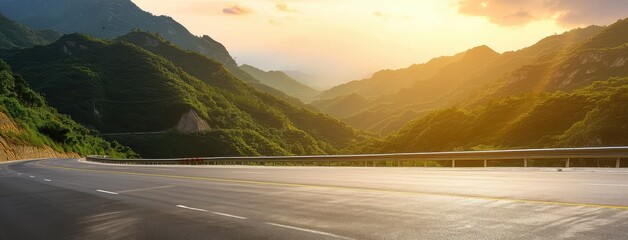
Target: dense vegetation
110	19
120	87
15	35
592	116
573	96
41	125
395	97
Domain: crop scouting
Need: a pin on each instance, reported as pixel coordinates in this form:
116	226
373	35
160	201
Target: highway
70	199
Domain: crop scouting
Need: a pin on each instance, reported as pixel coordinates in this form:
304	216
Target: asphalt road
68	199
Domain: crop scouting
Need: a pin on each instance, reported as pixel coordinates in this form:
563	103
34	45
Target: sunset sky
342	40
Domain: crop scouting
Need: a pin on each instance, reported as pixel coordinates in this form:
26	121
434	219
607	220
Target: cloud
381	15
564	12
283	7
236	10
583	12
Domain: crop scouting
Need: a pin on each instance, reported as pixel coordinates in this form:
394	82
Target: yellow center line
226	180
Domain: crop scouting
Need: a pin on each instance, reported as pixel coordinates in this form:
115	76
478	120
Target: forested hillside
574	97
119	88
30	128
443	82
110	19
15	35
595	115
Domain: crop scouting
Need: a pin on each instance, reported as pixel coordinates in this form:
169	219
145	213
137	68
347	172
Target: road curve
68	199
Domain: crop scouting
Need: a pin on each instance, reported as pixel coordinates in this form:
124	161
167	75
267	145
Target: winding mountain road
70	199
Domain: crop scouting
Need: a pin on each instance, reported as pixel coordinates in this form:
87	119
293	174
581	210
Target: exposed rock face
12	151
191	122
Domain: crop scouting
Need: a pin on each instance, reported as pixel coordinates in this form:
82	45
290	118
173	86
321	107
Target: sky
343	40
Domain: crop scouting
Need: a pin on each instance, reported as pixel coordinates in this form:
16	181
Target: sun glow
344	40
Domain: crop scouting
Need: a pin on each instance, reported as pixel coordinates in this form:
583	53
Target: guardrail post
525	162
453	163
567	163
398	163
485	163
618	163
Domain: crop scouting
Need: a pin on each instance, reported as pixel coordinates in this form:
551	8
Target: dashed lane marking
108	192
308	230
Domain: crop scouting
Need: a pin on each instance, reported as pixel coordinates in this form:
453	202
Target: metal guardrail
611	156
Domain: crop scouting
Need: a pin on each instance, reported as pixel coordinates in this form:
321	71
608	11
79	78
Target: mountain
573	97
164	101
15	35
110	19
281	81
422	95
454	82
307	79
387	82
341	104
29	128
591	116
599	57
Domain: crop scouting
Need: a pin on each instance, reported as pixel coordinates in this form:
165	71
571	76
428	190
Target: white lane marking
228	215
191	208
19	174
605	184
103	191
308	230
32	176
145	189
47	180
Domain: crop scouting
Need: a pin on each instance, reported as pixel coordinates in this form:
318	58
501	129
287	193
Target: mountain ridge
16	35
137	88
282	82
413	100
110	19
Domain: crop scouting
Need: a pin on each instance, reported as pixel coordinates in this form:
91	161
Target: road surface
68	199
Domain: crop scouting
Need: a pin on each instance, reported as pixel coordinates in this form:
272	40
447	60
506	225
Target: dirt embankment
11	151
191	122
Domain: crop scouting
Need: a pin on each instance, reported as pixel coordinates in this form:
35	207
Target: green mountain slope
591	116
15	35
281	81
213	73
452	85
568	98
32	123
339	106
113	18
422	95
119	87
602	56
390	81
108	19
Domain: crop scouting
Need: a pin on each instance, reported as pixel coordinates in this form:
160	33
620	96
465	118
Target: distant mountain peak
281	81
16	35
111	19
480	52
